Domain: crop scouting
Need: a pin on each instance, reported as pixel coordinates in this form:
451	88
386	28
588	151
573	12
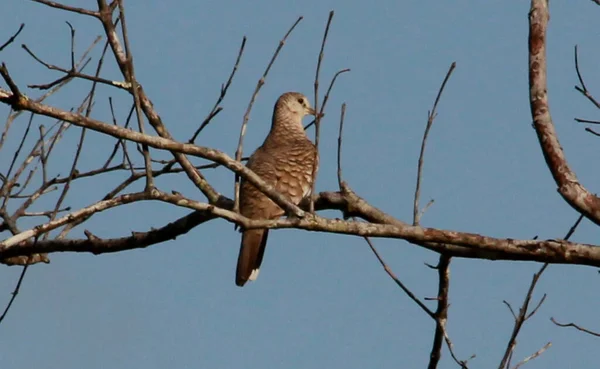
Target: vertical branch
72	45
339	146
317	113
130	76
43	158
120	143
441	313
259	84
430	118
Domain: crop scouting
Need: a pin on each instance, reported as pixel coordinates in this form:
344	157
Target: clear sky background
322	301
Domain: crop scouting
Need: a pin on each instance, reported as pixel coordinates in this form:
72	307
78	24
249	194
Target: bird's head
296	104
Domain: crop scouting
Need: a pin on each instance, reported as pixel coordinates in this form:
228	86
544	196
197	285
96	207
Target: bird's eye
301	101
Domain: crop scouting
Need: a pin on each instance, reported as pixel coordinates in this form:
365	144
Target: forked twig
524	315
583	88
326	98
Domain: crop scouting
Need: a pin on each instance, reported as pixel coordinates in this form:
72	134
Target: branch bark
573	192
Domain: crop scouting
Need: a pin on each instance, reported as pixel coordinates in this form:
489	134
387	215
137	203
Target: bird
287	160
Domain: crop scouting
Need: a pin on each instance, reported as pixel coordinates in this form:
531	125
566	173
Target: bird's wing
294	172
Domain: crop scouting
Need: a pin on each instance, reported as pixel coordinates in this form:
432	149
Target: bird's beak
311	111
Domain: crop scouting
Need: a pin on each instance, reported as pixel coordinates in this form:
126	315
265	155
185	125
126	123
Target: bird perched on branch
286	160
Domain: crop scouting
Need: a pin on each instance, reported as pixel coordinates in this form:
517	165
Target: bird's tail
251	254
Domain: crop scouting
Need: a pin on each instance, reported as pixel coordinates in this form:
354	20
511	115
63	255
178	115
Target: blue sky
321	300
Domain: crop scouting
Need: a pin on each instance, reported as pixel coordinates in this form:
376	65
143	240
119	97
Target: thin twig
534	355
7	187
580	120
430	119
578	327
390	273
583	89
73	9
14	293
13	37
574	227
43	158
46	214
588	129
339	146
317	112
523	314
74	73
106	17
326	98
461	363
72	45
9	81
119	142
136	97
216	108
521	318
259	84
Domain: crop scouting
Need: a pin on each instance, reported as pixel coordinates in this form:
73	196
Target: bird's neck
286	127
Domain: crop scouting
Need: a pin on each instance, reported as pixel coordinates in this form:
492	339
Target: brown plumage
285	160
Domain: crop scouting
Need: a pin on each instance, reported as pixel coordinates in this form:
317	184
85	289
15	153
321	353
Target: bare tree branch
573	192
317	112
430	118
130	77
148	108
578	327
14	293
534	355
216	108
402	286
12	38
524	315
339	147
521	318
72	9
